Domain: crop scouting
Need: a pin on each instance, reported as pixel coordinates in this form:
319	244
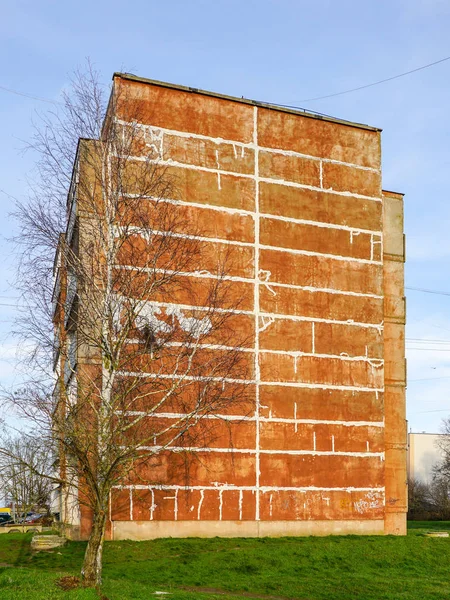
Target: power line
431	349
428	340
25	95
428	379
414	289
419	412
363	87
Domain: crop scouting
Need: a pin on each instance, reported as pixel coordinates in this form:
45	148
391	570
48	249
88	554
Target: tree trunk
92	563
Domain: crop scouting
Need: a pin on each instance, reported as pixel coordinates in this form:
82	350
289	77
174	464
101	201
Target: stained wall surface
318	262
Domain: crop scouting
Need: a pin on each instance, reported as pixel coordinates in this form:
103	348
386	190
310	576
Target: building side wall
297	202
395	365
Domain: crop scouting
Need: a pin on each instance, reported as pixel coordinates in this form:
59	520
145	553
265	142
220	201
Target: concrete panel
325	240
323	505
322	207
200	219
318	137
328	471
321	272
196	469
205	187
147	530
208	153
207	257
317	403
343	178
297	169
321	370
339	339
321	437
182	111
393	224
322	305
286	335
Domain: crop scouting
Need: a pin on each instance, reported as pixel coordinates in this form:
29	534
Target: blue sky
281	51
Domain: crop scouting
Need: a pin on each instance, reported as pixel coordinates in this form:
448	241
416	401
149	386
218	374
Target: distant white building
423	455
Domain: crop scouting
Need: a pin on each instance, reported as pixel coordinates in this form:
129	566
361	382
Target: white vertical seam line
240	504
175	506
200	502
153	506
256	299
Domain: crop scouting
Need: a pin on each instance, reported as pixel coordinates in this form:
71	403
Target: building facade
298	199
423	455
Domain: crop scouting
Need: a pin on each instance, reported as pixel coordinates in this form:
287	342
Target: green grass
341	568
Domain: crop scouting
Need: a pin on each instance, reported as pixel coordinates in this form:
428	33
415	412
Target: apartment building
318	251
423	455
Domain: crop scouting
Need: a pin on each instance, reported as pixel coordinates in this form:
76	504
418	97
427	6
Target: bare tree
439	496
150	344
419	505
443	445
25	473
440	485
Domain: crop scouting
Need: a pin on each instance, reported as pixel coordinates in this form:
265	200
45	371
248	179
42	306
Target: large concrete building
423	455
298	197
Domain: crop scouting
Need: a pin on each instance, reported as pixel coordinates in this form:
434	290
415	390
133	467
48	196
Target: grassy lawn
341	568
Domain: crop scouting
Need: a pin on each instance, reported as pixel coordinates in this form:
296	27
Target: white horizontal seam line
342	257
378	326
324	386
270	283
250	213
378	424
290	353
249	145
328	256
218	208
251	177
321	224
268	452
250	488
302	384
281	316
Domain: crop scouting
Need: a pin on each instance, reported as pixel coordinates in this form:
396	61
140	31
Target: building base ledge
147	530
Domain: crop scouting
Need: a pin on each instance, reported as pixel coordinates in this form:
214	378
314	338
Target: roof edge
296	111
400	195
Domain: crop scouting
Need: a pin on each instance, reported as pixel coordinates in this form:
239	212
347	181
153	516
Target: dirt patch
69	582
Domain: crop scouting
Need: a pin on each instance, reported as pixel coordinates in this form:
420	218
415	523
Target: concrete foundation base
147	530
395	523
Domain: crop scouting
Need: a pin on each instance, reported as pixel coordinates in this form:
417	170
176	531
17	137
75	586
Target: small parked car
33	518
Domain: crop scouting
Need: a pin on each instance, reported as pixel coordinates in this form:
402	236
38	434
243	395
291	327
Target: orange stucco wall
318	260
